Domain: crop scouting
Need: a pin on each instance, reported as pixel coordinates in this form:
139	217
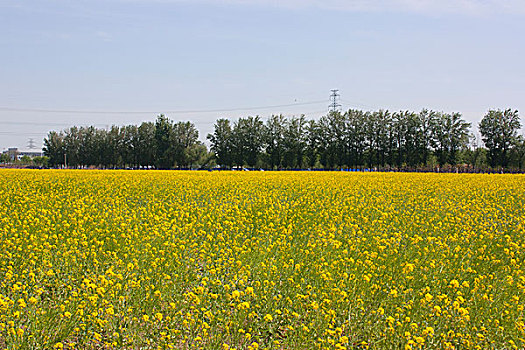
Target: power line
22	133
42	110
44	124
314	112
356	104
32	123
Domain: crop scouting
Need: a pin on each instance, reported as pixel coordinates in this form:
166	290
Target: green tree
164	158
354	138
197	155
183	136
274	140
4	158
414	140
331	145
518	152
380	136
129	146
248	140
73	146
311	140
221	141
42	161
145	145
427	119
294	142
54	148
450	134
499	131
26	160
89	145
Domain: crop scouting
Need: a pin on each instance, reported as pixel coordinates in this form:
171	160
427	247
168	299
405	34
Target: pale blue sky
170	55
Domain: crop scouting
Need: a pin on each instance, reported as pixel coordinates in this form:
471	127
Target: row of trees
499	130
25	161
368	139
354	138
163	145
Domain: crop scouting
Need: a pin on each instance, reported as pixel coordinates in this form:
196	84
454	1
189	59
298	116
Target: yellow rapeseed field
253	260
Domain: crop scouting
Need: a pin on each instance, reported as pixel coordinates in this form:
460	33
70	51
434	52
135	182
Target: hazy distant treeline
351	139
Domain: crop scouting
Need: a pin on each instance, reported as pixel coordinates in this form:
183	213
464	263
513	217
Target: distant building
15	154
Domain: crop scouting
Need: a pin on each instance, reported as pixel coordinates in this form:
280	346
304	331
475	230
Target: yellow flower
179	255
429	331
419	340
408	268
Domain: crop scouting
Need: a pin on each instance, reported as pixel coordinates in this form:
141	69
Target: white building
15	153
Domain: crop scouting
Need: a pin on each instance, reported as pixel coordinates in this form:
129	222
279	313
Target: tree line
163	144
352	139
380	139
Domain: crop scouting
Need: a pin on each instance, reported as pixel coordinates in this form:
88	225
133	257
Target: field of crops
245	260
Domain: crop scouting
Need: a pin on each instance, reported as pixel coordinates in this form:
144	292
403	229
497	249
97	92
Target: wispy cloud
104	36
466	7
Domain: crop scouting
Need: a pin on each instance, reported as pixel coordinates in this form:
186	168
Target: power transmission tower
334	106
31	144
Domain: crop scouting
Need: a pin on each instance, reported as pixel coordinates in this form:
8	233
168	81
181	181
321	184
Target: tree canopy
163	145
350	139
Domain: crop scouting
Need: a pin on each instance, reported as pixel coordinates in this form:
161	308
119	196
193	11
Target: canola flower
230	260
